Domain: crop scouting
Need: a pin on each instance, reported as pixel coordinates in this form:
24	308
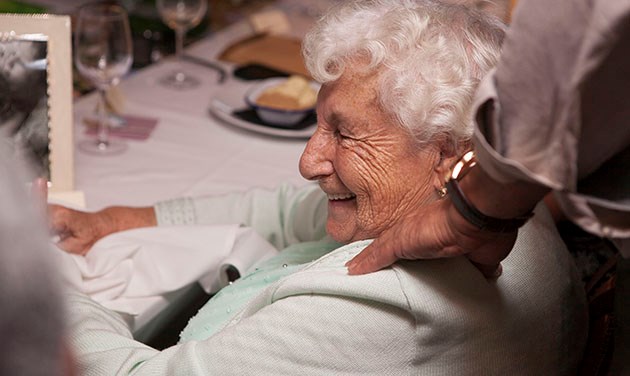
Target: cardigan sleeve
284	216
303	334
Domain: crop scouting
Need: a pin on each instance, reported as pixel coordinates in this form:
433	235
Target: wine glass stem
179	42
102	137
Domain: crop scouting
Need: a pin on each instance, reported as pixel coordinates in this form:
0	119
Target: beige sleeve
555	110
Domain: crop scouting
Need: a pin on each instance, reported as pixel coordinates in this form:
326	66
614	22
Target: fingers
489	271
57	219
71	229
73	245
418	236
436	231
493	249
374	257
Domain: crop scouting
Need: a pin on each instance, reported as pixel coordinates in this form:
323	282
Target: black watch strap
477	218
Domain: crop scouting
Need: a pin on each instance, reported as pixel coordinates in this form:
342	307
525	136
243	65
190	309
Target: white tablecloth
190	152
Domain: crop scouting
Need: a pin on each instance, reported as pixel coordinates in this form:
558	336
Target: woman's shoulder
450	302
329	276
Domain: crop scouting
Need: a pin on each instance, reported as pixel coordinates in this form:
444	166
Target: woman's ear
449	154
443	168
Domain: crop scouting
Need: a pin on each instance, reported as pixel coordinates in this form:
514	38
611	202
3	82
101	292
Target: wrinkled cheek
371	214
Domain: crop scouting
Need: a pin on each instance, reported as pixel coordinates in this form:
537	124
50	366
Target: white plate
225	102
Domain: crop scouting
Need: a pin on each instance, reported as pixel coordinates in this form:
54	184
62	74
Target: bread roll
293	94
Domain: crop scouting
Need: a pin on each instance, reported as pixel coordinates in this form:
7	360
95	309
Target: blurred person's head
25	81
31	304
395	108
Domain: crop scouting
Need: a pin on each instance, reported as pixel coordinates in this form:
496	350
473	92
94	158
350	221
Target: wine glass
103	54
181	15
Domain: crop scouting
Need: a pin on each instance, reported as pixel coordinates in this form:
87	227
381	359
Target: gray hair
430	56
31	306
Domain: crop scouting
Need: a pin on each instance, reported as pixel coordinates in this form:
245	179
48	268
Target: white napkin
132	271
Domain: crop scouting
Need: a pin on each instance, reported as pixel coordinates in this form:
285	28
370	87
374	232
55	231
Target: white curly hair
430	56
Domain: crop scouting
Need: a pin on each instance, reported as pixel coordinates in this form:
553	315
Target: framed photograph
36	94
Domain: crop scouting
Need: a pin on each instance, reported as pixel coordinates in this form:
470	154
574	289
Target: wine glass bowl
181	16
103	54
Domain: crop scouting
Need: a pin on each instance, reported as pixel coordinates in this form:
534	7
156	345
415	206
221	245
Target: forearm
121	218
501	200
283	216
78	230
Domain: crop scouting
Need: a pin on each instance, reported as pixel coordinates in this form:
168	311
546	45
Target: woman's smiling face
370	168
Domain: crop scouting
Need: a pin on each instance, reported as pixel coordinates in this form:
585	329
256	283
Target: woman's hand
78	231
436	231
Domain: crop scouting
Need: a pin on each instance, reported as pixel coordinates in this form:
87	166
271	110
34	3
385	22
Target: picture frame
19	31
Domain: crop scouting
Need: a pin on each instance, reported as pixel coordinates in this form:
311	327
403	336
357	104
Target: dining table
190	151
195	147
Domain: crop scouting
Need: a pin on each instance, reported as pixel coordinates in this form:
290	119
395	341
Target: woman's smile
341	197
345	201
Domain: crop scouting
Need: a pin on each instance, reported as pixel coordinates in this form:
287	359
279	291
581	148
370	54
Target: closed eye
342	136
336	123
338	134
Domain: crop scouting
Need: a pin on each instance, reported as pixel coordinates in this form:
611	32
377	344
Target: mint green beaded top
218	311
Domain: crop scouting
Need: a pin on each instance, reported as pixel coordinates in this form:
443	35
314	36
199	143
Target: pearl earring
442	192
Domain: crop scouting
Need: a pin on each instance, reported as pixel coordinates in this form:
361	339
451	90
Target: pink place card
133	127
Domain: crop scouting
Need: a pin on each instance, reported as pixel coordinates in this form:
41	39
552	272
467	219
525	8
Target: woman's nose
316	161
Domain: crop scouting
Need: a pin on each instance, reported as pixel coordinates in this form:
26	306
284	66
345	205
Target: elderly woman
393	112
